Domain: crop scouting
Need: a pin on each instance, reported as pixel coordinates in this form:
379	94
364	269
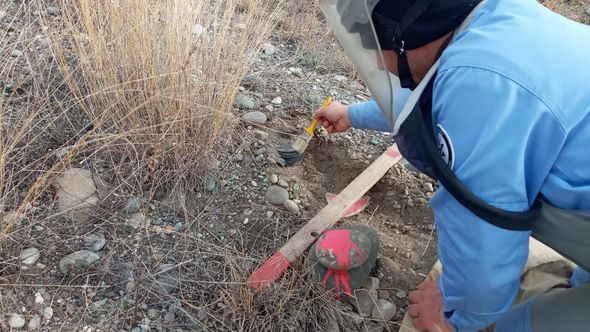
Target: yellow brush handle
310	130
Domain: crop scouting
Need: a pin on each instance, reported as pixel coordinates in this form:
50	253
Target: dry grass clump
156	79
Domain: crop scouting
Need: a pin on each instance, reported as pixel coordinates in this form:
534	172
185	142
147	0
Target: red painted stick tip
392	152
270	271
357	208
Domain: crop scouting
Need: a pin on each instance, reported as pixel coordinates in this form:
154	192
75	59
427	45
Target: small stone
340	78
401	294
153	314
210	184
283	183
253	82
354	85
268	49
246	221
139	220
410	202
52	10
260	134
276	195
39	298
408	255
167	280
260	151
587	10
243	101
77	195
269	214
297	72
2	14
198	29
371	283
421	201
34	323
62	152
427	186
255	117
169	317
202	314
384	310
364	302
76	260
291	207
133	205
373	327
238	157
16	53
387	267
277	101
29	256
16	321
274	178
95	241
48	313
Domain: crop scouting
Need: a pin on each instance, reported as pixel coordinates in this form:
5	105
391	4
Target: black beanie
439	18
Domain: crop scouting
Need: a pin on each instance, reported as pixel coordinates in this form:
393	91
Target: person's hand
334	117
426	307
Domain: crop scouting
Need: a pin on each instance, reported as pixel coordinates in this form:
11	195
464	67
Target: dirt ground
186	268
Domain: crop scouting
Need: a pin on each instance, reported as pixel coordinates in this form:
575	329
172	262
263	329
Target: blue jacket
511	105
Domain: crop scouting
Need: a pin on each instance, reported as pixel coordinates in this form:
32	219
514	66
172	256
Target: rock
77	195
52	10
274	178
39	298
269	214
175	201
356	318
202	314
340	78
421	201
62	152
371	283
239	157
16	321
373	327
268	49
169	317
153	314
387	267
260	134
291	207
260	151
77	260
16	53
243	101
277	101
255	117
210	184
587	10
48	313
384	310
29	256
354	85
364	302
167	280
95	241
198	29
283	183
427	186
297	72
133	205
138	220
401	294
276	195
253	82
2	14
410	202
34	323
328	259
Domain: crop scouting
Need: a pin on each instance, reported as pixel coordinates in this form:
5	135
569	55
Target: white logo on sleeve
445	146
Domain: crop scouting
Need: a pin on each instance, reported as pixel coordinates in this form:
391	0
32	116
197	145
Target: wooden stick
276	265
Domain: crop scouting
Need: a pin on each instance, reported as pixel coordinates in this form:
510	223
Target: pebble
239	157
34	323
291	207
133	205
371	283
255	117
283	183
421	201
16	53
53	10
276	195
2	14
260	151
297	72
277	101
78	259
427	186
269	214
274	178
340	78
95	241
39	298
410	202
260	134
210	184
167	280
243	101
587	9
401	294
364	302
354	85
48	313
198	29
29	256
268	49
384	310
153	314
16	321
374	327
169	317
202	314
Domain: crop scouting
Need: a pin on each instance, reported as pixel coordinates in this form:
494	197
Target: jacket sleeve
368	115
504	141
